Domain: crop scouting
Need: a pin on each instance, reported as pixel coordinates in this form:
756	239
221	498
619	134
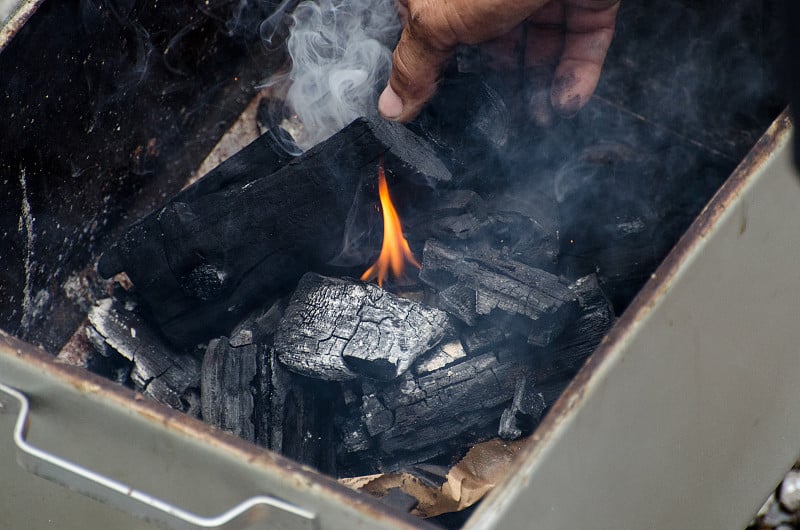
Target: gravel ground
782	509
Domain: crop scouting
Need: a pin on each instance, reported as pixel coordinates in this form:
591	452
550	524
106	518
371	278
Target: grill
678	393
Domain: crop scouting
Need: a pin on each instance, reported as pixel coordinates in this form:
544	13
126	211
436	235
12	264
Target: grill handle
269	511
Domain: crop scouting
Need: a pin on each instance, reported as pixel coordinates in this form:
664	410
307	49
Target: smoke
341	53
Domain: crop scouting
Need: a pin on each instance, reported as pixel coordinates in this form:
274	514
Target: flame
395	251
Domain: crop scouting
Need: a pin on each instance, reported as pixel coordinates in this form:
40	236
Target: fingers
416	65
433	30
589	26
545	43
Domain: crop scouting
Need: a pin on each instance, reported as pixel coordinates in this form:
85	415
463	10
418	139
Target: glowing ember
395	251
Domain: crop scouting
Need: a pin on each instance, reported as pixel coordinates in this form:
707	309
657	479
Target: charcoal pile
246	309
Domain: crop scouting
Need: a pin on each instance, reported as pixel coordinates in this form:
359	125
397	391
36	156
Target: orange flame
395	251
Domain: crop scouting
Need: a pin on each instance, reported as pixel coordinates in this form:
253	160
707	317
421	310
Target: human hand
570	36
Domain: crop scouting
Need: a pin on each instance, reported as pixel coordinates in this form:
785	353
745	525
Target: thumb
416	65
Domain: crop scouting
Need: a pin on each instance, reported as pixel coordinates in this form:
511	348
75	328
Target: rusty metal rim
17	20
304	478
652	292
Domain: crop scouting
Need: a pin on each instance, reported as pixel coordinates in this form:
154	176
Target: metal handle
258	509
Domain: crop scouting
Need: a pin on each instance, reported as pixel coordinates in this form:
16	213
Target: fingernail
389	104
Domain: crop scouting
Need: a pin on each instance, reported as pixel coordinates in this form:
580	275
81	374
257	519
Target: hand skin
563	39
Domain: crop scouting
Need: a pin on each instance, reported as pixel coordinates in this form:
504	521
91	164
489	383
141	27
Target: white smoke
341	52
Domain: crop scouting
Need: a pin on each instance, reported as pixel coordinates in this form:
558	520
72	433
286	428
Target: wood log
337	329
158	371
207	257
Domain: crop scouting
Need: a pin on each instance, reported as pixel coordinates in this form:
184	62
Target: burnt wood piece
444	354
501	284
202	261
417	417
450	215
158	371
259	326
566	355
525	226
524	413
302	426
227	386
337	329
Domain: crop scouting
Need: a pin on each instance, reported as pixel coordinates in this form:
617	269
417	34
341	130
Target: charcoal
482	340
596	316
526	225
158	371
292	414
226	382
202	261
259	326
353	435
524	413
377	418
460	301
450	215
444	354
300	422
398	499
417	417
502	284
336	329
268	152
273	385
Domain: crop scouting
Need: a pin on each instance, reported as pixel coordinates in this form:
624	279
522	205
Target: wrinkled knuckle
407	78
429	26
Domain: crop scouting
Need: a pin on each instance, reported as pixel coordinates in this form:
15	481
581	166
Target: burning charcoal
524	412
500	283
335	329
158	371
226	381
203	260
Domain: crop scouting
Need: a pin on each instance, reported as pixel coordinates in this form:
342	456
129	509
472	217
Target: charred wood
336	329
302	422
417	417
444	354
259	326
158	371
501	284
567	354
524	413
208	251
227	387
